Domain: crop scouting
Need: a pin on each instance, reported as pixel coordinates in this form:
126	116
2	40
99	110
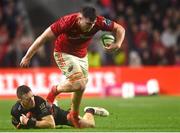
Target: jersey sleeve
15	118
17	123
63	24
105	24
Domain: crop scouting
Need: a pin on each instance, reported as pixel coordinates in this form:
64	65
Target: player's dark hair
89	12
21	90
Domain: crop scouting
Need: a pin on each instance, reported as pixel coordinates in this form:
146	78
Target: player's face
27	100
86	24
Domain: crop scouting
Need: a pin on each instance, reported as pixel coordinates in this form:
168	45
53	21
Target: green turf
138	114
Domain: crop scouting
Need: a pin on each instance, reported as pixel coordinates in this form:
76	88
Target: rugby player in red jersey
72	34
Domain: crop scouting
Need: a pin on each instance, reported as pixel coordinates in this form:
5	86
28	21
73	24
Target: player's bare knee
80	84
78	81
83	83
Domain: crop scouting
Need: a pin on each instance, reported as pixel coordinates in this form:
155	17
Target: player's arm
15	120
119	33
44	37
15	117
43	113
45	122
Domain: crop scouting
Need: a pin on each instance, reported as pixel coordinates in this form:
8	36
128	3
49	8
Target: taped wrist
31	123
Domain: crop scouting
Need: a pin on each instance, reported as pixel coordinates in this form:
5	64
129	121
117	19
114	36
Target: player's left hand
23	119
112	47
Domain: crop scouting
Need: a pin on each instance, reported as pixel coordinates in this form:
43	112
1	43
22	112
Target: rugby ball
107	39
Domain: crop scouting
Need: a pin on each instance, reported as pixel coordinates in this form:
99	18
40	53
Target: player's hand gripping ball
107	40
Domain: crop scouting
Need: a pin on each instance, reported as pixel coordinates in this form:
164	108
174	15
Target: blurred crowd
152	34
15	33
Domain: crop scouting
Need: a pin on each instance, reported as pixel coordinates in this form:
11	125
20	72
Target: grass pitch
154	113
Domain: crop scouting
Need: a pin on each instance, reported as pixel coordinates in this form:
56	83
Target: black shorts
60	116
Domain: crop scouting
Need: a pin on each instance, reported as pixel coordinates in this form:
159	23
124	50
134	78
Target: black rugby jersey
42	108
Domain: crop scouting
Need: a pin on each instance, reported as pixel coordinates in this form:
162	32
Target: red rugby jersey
70	39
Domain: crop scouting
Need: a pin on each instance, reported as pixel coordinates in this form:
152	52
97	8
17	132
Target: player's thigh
83	62
61	117
68	64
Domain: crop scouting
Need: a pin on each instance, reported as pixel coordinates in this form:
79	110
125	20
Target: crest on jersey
107	22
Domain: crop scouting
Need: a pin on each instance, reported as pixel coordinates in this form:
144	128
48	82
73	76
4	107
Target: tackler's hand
23	119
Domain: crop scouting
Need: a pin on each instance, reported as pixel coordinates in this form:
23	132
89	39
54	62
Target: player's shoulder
38	98
73	14
70	17
103	21
16	107
100	18
41	102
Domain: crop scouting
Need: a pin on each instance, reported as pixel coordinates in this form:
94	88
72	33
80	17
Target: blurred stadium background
147	64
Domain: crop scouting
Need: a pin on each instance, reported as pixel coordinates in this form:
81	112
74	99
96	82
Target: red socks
73	117
52	94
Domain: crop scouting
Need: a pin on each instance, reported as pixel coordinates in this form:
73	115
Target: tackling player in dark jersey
32	111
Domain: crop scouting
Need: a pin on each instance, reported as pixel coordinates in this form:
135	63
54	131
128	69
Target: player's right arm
44	37
57	28
15	117
16	122
25	122
45	122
